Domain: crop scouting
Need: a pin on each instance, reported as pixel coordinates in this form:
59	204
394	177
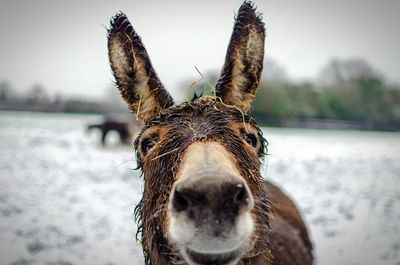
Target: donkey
205	201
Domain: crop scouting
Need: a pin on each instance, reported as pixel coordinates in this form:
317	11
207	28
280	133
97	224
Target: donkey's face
203	197
201	166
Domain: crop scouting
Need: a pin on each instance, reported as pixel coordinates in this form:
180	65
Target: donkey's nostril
188	197
241	196
181	200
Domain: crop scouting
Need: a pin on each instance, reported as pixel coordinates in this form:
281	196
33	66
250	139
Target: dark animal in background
108	126
124	125
204	200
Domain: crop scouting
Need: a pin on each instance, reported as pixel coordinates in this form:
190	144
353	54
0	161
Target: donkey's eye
251	139
147	145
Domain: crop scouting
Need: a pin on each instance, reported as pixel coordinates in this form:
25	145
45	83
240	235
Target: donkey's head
203	197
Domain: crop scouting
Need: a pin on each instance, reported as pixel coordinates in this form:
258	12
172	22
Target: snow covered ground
64	199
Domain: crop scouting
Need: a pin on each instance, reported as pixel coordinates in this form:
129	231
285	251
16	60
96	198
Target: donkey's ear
244	60
136	79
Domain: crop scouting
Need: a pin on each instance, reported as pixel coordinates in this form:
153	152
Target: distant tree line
37	99
348	94
350	90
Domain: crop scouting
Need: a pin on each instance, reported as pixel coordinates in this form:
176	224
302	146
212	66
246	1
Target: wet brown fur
289	236
220	119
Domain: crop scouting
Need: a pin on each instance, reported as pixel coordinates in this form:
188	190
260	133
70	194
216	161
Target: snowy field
65	200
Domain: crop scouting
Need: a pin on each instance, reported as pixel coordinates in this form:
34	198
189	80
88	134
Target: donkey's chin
223	258
199	246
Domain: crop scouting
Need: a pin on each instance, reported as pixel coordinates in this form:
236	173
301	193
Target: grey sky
62	44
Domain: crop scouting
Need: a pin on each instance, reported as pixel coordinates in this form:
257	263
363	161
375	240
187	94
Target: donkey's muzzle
207	197
211	202
210	206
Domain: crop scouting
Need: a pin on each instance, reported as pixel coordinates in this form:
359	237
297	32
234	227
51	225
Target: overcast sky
62	44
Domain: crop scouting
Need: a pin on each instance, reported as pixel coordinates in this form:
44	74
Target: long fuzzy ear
244	60
136	79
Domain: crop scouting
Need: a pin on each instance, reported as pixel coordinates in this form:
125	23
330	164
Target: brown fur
289	236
